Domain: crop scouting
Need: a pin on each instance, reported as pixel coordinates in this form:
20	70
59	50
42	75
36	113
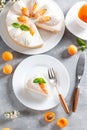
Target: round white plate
50	39
34	65
71	23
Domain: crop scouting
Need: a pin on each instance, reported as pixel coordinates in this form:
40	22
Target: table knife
79	74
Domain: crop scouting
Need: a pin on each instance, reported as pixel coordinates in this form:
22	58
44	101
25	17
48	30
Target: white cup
80	22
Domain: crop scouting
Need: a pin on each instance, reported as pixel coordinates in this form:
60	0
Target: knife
79	74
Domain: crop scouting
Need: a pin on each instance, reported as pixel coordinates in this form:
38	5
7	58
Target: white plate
72	25
50	39
39	64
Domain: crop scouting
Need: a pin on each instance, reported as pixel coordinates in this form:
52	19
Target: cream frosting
24	38
30	86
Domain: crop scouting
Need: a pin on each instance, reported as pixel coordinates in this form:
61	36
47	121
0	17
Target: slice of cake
37	85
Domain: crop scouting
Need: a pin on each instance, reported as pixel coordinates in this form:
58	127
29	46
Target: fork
53	79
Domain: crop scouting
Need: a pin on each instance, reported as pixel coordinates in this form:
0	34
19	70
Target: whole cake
25	16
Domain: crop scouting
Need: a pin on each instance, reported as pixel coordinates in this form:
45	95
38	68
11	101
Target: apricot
7	69
83	13
49	116
72	49
34	6
31	31
22	19
45	19
7	56
62	122
43	87
25	11
43	11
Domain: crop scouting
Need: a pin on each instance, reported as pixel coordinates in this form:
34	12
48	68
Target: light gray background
33	120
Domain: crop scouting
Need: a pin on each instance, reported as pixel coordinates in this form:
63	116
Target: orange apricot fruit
22	19
42	11
34	6
7	69
49	116
43	87
45	19
62	122
72	49
25	11
7	56
82	14
31	31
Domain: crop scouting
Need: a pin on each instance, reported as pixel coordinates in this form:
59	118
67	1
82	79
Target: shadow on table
3	120
65	54
55	127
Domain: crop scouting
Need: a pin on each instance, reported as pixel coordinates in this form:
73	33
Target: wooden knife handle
64	104
75	101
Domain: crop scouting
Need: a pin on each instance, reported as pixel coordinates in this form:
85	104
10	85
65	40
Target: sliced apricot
38	13
34	6
47	18
7	69
25	11
22	19
42	11
7	56
62	122
72	49
34	15
31	31
49	116
43	87
44	19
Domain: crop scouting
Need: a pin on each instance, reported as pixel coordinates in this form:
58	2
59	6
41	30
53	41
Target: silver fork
53	79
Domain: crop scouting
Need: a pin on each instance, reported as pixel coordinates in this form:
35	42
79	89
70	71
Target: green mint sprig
16	25
39	80
82	44
22	26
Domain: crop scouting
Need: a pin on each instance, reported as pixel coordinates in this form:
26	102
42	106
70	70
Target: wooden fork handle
75	101
64	104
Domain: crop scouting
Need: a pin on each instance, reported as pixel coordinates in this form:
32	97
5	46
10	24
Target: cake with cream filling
25	16
37	85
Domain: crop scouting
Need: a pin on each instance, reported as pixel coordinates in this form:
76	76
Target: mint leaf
83	48
24	27
16	25
39	80
81	42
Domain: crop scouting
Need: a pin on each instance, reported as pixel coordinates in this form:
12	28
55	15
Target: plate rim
41	55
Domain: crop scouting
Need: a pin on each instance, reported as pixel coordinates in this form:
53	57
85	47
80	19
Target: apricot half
62	122
49	116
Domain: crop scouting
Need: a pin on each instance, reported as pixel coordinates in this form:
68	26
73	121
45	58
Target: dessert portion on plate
24	18
38	85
